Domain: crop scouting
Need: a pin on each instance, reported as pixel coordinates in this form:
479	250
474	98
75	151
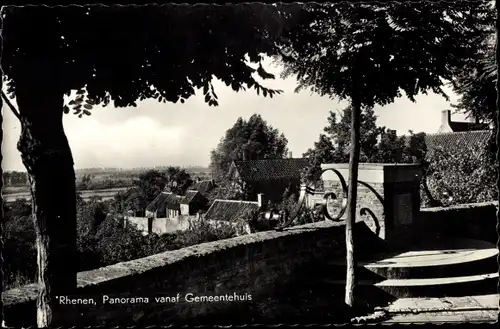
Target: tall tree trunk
497	5
47	157
351	201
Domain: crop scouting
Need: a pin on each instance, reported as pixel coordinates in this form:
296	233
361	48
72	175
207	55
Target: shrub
19	251
116	243
460	176
201	231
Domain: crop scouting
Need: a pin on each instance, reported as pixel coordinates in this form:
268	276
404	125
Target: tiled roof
188	197
230	210
271	169
164	200
203	186
457	141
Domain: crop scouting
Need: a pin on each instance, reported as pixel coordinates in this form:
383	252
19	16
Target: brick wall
269	266
366	199
388	199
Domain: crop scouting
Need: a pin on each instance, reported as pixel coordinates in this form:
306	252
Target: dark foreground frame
305	190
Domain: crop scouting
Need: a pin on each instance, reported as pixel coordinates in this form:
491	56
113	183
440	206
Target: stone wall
475	221
269	266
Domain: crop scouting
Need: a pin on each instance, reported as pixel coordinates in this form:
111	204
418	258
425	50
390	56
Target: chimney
290	155
445	122
261	200
245	155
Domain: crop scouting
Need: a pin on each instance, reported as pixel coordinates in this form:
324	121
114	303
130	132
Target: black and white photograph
250	164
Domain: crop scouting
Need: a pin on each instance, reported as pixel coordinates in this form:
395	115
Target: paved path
482	308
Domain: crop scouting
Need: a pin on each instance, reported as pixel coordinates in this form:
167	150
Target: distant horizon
122	168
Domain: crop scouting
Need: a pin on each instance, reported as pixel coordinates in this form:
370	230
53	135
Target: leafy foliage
171	50
375	52
323	152
460	176
341	131
378	144
253	139
148	185
15	178
19	251
475	81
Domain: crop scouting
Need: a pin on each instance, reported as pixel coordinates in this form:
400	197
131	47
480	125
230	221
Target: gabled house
169	205
165	205
269	176
192	202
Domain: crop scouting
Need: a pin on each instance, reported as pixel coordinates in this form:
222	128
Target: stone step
438	287
464	257
337	270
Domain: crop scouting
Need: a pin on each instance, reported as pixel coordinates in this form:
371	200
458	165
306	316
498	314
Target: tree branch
12	108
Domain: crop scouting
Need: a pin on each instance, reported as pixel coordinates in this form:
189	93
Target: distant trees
148	185
15	178
251	139
178	180
377	143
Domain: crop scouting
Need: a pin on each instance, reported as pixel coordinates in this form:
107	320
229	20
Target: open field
86	194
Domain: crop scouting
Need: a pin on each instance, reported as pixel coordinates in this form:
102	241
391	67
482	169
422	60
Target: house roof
230	210
164	200
270	169
189	196
457	141
169	200
204	186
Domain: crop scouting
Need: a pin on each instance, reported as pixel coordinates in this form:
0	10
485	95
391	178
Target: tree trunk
47	157
351	201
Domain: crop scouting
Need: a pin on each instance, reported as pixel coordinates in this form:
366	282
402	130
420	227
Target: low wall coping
460	207
28	293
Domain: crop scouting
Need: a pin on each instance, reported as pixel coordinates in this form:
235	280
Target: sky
159	134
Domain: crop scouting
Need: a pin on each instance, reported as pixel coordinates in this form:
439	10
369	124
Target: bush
116	243
201	231
461	176
19	251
